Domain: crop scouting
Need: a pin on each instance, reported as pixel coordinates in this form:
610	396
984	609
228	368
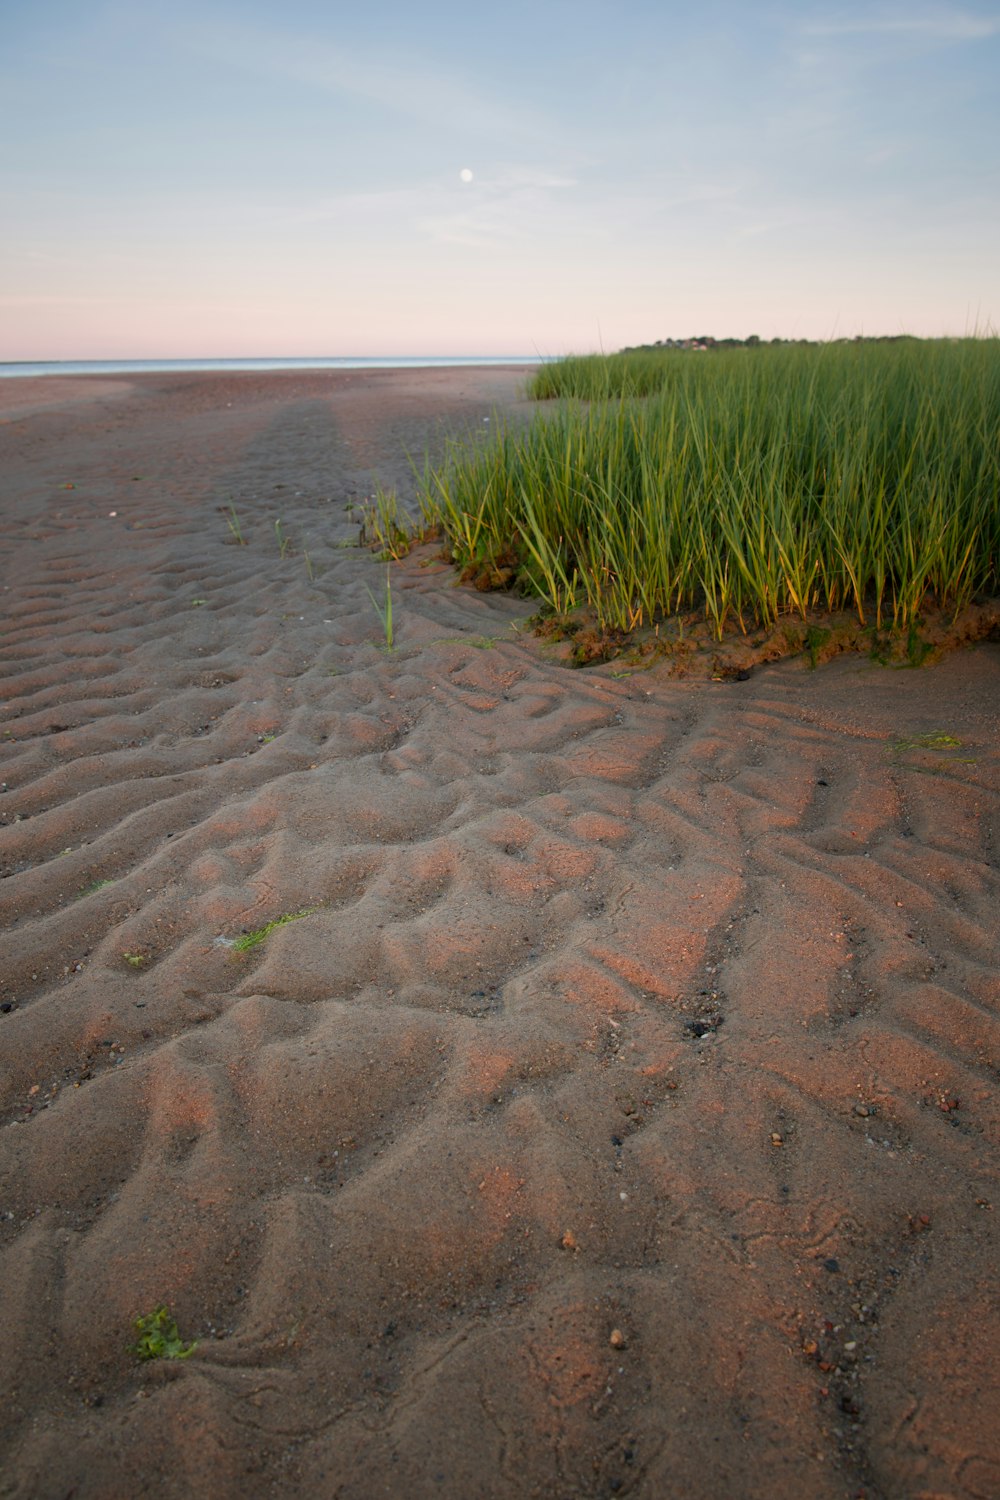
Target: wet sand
618	1115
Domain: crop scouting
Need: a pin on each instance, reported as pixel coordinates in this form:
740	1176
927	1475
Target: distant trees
702	342
754	341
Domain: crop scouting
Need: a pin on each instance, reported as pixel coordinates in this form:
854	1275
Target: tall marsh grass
748	483
597	377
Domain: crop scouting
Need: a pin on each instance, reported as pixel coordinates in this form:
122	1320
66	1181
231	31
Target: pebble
617	1339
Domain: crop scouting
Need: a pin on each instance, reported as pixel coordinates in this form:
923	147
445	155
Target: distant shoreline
20	369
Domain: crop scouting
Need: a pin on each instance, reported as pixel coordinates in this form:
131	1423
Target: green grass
815	639
260	935
235	529
936	741
386	527
383	609
159	1338
940	742
749	485
600	377
477	642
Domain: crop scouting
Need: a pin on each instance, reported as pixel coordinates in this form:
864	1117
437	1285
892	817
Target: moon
466	174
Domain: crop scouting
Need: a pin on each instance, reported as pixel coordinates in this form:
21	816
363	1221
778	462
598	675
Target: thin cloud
415	88
516	178
499	208
498	219
501	205
935	25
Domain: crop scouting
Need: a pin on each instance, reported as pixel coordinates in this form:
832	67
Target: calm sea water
137	366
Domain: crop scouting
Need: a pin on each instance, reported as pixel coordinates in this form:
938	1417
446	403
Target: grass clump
387	528
748	486
260	935
159	1338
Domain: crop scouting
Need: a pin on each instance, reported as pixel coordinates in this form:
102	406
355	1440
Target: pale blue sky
241	177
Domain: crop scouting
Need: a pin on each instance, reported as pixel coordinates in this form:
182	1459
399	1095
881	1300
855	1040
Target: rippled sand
618	1115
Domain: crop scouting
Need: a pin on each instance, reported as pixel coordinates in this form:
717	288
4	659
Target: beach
515	1081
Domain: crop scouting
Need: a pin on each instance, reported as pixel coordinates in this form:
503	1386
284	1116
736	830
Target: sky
243	178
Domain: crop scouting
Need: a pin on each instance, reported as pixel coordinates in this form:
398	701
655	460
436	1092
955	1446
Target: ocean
361	362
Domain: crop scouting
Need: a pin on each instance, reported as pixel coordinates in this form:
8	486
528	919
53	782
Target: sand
620	1118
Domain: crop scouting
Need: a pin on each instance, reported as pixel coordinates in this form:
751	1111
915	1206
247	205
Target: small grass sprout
159	1337
235	530
251	940
384	610
136	960
284	543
